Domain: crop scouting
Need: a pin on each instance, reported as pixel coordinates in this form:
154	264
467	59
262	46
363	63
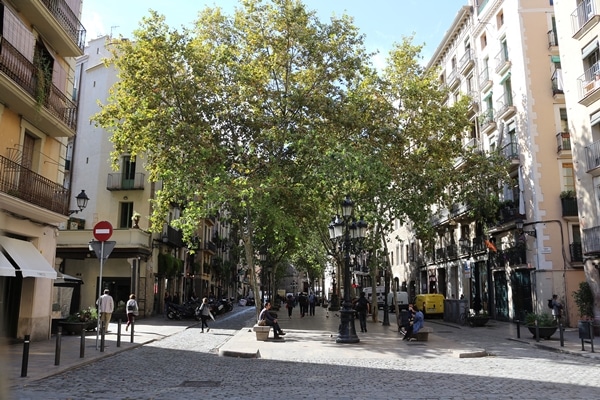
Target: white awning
29	260
6	268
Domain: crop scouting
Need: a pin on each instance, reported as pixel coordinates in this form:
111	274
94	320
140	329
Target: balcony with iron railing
552	39
118	181
58	24
556	83
576	252
590	241
563	142
20	182
440	254
592	156
453	79
510	151
511	256
584	18
43	101
502	61
588	85
173	237
504	106
485	81
210	247
486	120
569	207
452	251
466	62
508	213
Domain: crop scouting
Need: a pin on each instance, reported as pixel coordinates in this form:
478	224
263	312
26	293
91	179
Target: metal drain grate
200	384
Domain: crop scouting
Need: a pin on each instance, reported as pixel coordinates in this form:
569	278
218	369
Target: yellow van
430	304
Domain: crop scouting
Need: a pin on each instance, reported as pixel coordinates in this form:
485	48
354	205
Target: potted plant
86	319
544	322
567	194
584	300
135	220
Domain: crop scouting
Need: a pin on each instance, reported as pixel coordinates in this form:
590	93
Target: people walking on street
132	310
362	307
106	306
289	305
557	307
167	301
312	302
266	315
205	314
303	301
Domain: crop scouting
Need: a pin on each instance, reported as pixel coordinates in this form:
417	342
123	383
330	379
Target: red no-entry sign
103	231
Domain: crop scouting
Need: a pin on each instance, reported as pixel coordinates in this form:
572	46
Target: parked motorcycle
183	311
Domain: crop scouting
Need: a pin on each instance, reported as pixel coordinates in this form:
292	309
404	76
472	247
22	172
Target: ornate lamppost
346	233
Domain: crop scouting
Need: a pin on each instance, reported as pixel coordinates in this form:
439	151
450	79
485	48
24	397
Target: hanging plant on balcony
567	194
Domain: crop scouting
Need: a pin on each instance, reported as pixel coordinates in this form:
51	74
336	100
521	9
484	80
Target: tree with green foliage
275	116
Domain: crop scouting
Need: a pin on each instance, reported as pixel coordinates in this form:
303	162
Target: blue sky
384	22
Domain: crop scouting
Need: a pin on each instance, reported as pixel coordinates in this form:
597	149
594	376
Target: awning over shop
29	260
64	278
6	268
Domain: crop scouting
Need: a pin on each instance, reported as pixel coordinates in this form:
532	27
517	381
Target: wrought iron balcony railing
68	20
120	181
576	252
18	68
23	183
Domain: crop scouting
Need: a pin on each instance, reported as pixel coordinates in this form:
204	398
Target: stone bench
262	332
423	334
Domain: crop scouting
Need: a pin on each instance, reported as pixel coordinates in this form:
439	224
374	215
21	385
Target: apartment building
143	263
39	41
505	56
578	27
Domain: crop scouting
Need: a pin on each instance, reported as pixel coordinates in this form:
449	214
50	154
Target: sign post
102	232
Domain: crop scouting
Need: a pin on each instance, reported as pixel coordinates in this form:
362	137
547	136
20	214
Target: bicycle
463	318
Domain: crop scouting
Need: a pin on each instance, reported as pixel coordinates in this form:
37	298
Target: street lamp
82	201
519	225
346	233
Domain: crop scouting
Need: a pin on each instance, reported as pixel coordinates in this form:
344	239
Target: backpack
550	304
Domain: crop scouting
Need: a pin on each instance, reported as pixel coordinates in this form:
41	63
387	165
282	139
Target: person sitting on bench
270	321
416	324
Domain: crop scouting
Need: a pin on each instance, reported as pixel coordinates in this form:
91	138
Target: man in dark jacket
362	307
265	314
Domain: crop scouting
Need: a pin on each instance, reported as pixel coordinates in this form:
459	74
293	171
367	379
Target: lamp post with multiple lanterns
346	233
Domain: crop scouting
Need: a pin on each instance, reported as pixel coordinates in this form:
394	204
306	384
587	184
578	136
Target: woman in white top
132	310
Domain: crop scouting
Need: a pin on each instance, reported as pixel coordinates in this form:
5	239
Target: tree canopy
277	115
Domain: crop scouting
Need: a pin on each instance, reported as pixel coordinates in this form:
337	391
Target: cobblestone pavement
186	365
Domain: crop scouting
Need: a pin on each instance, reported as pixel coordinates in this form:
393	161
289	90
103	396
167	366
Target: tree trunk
593	278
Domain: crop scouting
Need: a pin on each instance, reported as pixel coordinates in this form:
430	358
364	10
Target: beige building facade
38	46
505	56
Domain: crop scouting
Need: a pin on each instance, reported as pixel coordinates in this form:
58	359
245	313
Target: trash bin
585	330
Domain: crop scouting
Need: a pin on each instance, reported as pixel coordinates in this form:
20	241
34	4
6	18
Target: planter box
73	328
545	331
478	321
